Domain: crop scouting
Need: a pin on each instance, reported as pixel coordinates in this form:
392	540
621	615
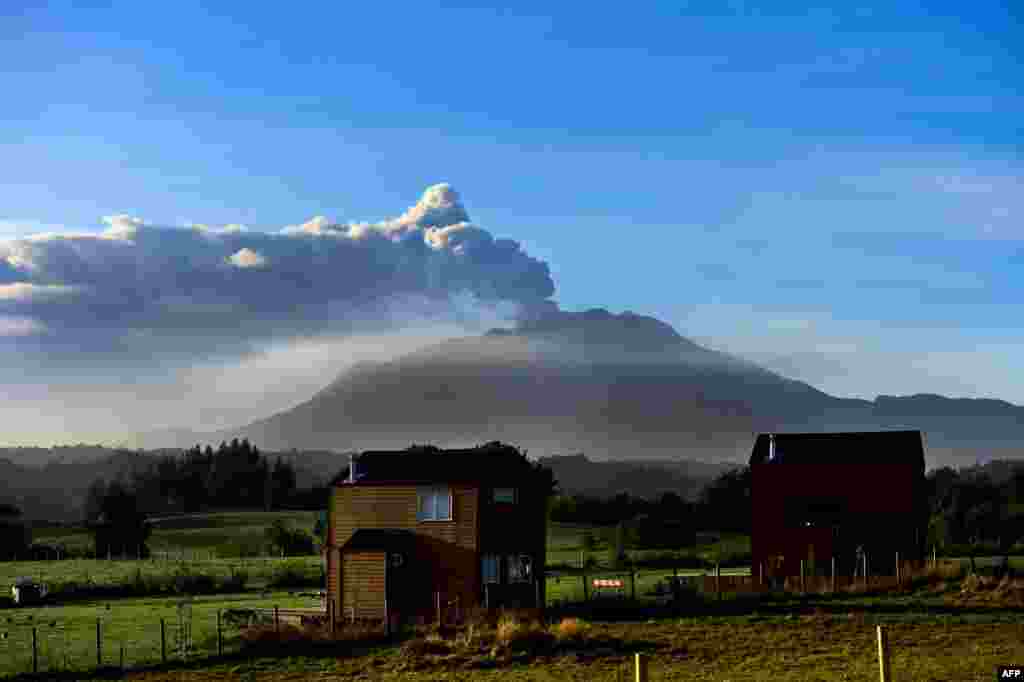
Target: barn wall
881	502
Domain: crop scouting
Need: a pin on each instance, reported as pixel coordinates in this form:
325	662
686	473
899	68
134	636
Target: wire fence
112	639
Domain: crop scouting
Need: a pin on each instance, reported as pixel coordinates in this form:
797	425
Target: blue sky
835	192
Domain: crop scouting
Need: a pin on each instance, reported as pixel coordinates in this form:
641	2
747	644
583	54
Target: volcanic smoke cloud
147	291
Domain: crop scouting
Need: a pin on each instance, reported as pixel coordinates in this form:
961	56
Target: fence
190	630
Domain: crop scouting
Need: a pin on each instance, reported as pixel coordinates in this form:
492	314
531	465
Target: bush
292	574
236	581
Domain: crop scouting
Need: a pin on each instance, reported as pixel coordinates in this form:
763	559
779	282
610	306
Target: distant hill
616	387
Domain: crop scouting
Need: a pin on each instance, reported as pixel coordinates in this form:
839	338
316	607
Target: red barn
819	495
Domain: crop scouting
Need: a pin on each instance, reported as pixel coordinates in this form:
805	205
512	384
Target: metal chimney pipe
771	447
352	468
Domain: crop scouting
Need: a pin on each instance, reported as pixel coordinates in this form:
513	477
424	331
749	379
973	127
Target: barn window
434	504
505	495
490	569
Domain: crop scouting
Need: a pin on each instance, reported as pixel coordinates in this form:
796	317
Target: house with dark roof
415	529
816	496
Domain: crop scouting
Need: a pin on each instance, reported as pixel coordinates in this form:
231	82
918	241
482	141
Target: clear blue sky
837	193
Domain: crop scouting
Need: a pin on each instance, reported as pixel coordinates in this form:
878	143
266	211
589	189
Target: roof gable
869	447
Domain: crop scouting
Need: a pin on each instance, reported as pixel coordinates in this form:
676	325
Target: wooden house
816	496
414	530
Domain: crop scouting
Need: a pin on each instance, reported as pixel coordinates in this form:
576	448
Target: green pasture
218	532
117	572
66	635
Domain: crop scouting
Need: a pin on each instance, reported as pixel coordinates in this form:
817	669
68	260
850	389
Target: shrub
193	583
571	628
236	581
293	575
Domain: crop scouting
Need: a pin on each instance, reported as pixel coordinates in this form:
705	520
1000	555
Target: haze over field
800	211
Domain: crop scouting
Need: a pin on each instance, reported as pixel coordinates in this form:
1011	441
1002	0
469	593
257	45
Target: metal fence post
220	637
833	573
641	668
35	652
163	642
883	656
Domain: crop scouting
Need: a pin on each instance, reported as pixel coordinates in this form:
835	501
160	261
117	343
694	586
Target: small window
489	570
505	495
434	504
519	568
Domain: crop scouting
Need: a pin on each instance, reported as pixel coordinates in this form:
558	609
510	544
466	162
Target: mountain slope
611	386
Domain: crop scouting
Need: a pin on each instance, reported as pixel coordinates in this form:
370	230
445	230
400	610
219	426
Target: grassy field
66	635
776	649
103	572
223	531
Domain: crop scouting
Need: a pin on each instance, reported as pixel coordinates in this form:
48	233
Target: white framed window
505	495
434	504
519	568
489	569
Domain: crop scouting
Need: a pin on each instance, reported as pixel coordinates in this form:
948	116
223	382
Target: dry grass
817	647
978	590
570	628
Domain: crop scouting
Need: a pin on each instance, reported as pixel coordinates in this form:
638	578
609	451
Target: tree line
972	510
235	475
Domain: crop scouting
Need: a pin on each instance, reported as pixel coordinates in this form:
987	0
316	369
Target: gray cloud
152	292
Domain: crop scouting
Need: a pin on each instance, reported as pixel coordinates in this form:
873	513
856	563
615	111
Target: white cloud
27	291
19	326
247	258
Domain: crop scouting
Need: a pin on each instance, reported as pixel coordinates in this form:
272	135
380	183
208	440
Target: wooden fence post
220	636
99	645
718	579
883	656
163	642
35	652
641	668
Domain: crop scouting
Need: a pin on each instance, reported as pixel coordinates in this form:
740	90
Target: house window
519	568
434	504
505	495
489	570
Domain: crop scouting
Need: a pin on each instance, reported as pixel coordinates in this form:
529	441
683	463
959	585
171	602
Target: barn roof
483	464
380	539
866	447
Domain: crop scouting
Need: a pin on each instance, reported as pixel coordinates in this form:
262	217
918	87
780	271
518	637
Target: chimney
352	468
771	447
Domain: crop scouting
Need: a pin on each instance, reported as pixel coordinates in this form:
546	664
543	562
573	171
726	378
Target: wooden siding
363	585
445	557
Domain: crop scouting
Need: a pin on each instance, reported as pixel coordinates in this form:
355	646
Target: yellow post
641	669
883	656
